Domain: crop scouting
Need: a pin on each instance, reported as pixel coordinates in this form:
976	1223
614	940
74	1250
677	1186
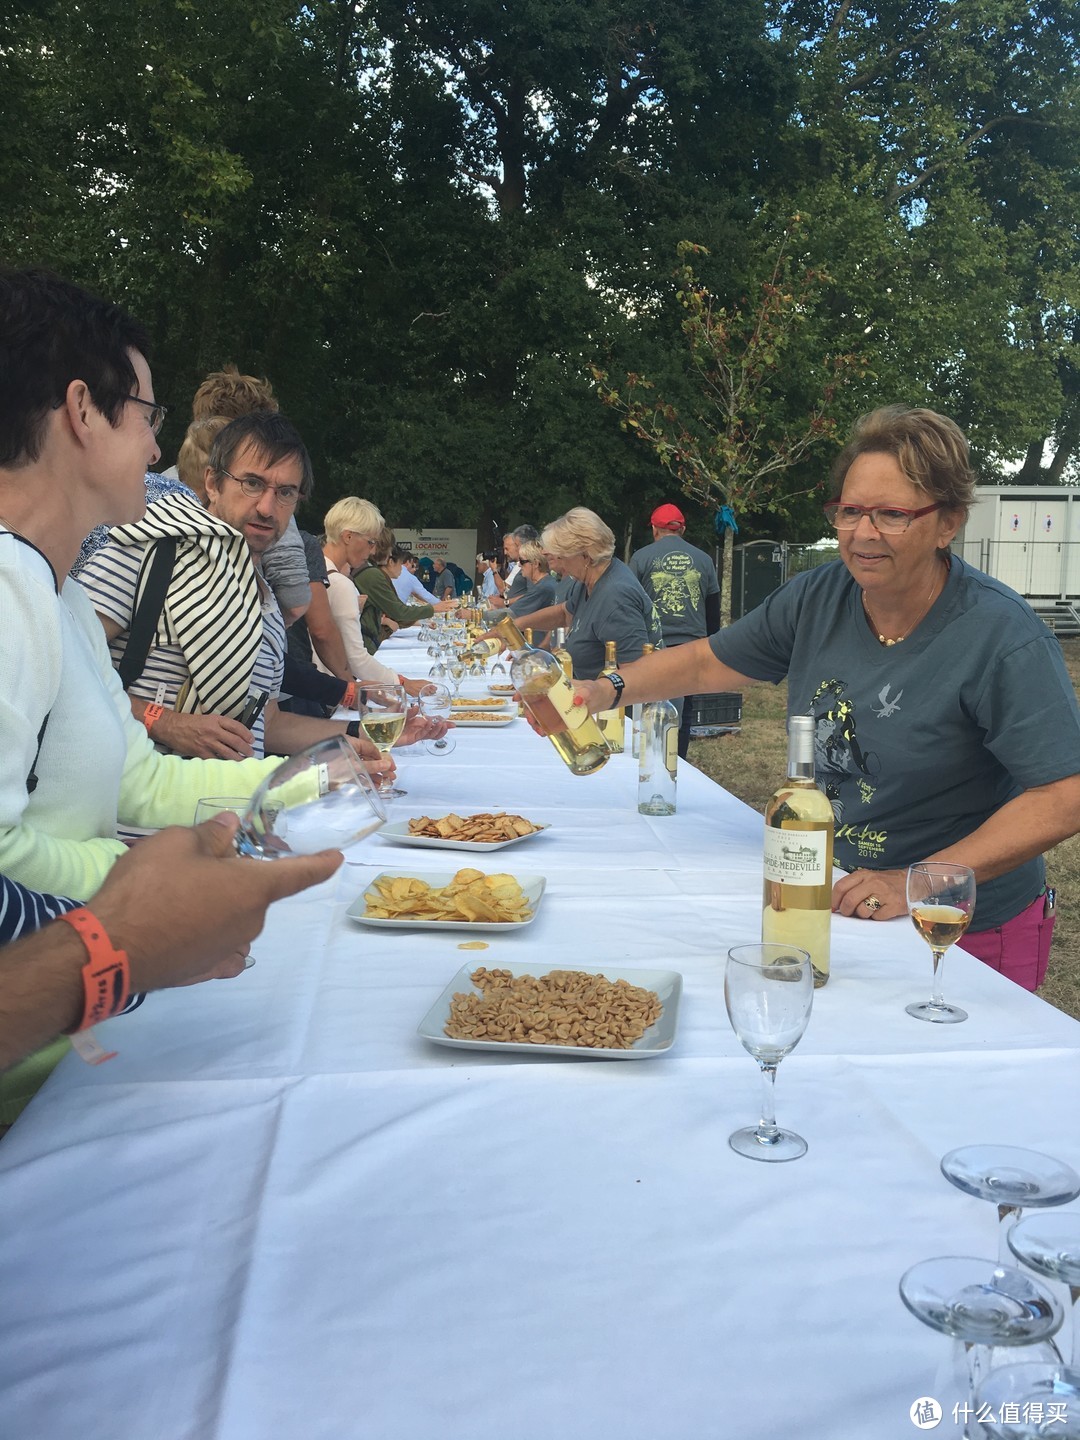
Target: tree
736	441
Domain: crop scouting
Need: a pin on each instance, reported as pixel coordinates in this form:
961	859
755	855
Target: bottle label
671	748
561	696
796	857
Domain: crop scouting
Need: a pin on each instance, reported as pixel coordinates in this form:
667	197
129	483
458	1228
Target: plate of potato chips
490	719
466	900
487	831
586	1012
474	702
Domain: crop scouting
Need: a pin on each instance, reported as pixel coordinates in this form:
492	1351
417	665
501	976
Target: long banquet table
279	1212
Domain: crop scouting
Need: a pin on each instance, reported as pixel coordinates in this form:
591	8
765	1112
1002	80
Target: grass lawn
752	763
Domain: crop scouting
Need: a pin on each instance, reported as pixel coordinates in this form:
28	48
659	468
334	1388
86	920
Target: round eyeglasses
889	520
255	487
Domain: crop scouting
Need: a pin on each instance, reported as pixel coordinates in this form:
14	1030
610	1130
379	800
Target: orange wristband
151	715
348	700
105	975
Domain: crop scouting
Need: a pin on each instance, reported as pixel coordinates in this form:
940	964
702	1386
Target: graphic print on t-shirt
839	760
676	586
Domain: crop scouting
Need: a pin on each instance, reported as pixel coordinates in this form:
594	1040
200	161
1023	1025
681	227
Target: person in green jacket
376	581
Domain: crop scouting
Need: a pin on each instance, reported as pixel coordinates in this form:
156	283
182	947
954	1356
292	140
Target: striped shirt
110	578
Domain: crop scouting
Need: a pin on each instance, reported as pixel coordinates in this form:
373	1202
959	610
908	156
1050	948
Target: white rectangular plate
398	834
465	703
465	719
532	885
657	1040
497	689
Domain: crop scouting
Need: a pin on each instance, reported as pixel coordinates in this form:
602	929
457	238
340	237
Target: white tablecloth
279	1212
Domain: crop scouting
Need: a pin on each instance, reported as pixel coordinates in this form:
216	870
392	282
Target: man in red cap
681	579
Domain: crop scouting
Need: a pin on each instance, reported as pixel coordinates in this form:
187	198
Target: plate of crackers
502	689
589	1012
476	702
466	900
489	831
489	718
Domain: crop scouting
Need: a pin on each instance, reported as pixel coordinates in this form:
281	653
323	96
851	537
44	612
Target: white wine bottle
562	655
635	713
549	698
659	758
797	894
612	722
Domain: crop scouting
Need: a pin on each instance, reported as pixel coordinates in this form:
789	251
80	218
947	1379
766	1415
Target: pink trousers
1020	948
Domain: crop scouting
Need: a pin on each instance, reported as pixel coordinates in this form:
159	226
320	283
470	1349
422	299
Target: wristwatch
618	684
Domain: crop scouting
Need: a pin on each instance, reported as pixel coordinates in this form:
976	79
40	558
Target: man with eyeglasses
209	681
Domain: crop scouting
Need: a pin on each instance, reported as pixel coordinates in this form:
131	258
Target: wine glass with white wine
940	901
384	710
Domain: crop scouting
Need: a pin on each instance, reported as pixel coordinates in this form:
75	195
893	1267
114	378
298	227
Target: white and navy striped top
110	578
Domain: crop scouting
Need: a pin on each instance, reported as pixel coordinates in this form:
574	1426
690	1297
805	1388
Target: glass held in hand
769	992
319	799
221	805
436	704
384	709
940	901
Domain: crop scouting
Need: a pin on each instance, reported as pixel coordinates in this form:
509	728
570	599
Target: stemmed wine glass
1030	1402
769	991
1049	1244
319	799
384	709
435	704
981	1303
940	901
1011	1177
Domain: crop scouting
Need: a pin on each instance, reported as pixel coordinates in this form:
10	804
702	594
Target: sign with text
456	545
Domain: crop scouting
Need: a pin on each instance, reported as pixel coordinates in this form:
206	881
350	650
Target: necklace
881	639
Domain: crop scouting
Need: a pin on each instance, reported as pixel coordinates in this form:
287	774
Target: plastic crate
713	714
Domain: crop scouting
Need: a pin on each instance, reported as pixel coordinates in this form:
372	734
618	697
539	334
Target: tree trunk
725	579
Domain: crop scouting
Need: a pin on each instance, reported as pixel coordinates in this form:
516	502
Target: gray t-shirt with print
618	609
678	576
920	742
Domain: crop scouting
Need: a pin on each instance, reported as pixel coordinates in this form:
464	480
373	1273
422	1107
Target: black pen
254	708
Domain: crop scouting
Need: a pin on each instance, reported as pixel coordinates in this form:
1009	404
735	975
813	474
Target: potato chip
470	897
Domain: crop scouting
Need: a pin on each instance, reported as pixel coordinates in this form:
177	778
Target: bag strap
147	612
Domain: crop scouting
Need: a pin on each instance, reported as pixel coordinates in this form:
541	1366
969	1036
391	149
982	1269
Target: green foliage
425	220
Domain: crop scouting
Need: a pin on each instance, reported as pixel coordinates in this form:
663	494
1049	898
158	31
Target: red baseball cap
667	516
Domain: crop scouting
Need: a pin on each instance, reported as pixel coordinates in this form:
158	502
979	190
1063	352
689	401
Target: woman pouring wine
946	724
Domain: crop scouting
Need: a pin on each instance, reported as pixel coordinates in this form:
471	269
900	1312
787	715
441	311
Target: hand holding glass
383	712
319	799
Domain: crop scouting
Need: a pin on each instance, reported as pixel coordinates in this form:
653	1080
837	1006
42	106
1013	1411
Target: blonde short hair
354	514
930	449
194	453
531	553
579	532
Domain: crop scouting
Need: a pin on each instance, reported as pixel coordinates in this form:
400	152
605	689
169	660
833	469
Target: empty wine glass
1029	1402
769	991
384	709
1011	1177
981	1303
319	799
221	805
436	704
1049	1244
940	900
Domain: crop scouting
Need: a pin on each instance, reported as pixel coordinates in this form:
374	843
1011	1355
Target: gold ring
872	902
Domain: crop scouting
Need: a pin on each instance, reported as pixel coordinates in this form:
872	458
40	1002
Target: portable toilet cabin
1027	536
